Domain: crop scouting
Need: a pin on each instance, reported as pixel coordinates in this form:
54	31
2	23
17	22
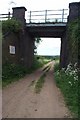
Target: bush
13	72
11	25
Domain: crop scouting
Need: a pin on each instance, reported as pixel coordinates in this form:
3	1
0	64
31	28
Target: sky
35	4
48	46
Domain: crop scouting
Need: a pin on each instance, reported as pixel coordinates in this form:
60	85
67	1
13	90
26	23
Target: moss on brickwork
74	40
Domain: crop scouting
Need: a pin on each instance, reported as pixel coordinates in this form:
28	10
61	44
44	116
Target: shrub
12	25
12	72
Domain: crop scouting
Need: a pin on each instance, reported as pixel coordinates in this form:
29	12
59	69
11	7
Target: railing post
30	17
45	16
63	15
8	15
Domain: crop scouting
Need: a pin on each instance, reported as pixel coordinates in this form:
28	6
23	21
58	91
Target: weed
40	83
41	80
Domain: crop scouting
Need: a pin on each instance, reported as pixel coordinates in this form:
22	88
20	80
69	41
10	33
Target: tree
37	42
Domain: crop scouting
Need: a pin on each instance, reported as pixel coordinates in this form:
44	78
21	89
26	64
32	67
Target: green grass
70	92
13	72
38	63
39	83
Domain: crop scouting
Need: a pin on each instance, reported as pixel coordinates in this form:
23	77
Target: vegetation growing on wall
11	25
74	40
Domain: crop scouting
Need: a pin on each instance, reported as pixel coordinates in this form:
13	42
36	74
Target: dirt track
21	101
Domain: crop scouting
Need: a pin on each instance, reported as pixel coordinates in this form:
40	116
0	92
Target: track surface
21	101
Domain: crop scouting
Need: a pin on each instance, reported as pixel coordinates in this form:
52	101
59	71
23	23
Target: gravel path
21	101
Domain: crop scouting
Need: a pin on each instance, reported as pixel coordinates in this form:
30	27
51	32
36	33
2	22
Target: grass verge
69	88
13	72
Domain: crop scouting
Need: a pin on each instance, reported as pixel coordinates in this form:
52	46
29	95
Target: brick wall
10	40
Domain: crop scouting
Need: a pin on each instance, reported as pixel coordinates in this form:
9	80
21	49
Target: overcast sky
35	4
48	46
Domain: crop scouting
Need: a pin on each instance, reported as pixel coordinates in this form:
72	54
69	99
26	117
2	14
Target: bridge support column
27	50
26	41
66	57
64	52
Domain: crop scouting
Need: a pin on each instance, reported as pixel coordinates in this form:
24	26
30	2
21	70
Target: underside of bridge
55	30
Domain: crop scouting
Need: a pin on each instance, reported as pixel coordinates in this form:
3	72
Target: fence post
63	15
45	16
30	18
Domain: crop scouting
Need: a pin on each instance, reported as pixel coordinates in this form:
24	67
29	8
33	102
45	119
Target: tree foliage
37	42
12	25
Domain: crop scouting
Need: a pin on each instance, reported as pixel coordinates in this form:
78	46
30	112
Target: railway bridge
45	23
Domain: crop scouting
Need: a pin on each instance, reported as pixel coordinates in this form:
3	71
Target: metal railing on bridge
46	16
5	16
43	16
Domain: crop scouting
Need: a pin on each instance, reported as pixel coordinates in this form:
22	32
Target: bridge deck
46	29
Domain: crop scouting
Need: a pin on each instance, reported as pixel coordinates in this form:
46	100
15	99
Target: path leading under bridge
21	101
